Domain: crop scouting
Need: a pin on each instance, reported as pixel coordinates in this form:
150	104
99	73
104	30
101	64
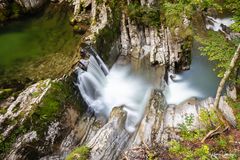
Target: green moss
185	130
51	107
3	110
6	144
4	93
35	94
80	153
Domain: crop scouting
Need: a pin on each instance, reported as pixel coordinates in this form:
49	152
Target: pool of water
33	37
200	81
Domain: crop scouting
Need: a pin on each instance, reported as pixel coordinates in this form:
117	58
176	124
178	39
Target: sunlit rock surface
111	139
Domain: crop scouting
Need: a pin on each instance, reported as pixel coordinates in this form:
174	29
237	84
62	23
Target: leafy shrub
208	118
149	16
184	152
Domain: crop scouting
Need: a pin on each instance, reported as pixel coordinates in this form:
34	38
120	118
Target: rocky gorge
49	117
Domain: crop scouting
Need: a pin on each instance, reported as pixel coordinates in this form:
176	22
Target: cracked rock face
111	139
23	104
139	41
21	141
163	47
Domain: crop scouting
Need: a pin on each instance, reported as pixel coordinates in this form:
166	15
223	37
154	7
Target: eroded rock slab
111	139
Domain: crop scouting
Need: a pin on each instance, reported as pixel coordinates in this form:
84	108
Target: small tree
227	73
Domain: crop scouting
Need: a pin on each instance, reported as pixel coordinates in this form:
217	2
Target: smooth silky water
102	90
200	81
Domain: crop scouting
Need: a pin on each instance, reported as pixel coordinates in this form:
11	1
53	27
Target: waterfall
216	23
103	89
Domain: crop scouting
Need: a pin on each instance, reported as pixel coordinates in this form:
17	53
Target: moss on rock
80	153
51	108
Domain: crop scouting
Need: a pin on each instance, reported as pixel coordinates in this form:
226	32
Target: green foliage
176	11
236	107
208	118
233	6
183	152
233	157
202	153
236	25
218	49
185	129
222	142
80	153
175	147
149	16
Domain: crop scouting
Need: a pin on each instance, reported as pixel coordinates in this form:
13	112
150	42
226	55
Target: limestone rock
21	141
111	139
23	104
232	92
161	122
163	48
151	121
30	5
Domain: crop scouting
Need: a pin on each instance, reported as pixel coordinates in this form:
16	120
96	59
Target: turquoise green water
34	37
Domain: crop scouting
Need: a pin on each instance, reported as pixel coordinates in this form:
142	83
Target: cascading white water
216	23
102	90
